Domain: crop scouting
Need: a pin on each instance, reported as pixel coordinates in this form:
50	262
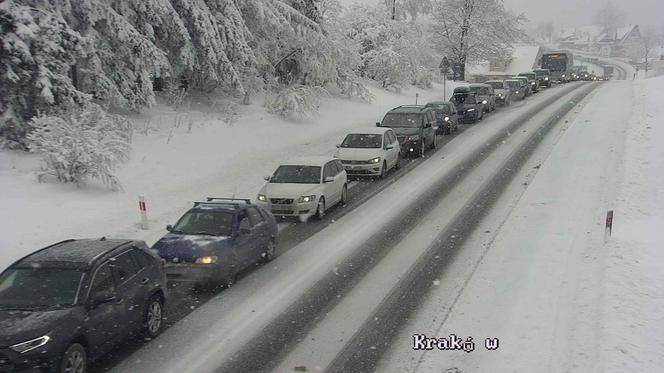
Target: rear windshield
296	175
496	85
403	120
463	98
211	223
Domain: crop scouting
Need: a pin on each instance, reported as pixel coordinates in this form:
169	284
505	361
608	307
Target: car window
142	259
255	217
329	170
103	280
124	267
245	223
340	166
391	137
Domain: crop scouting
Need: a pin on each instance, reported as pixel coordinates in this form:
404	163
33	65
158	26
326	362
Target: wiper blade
205	234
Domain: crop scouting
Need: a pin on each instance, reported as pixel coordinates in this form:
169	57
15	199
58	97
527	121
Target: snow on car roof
80	252
369	130
308	161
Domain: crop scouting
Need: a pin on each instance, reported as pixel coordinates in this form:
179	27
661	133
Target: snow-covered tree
609	17
296	101
37	52
84	143
474	30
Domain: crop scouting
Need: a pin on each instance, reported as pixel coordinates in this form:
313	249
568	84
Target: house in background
525	57
624	42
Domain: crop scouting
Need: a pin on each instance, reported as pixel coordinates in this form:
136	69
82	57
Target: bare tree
650	39
609	18
474	31
545	30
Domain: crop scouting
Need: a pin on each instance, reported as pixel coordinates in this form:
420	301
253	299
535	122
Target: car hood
21	326
186	247
286	190
406	131
464	107
500	91
358	154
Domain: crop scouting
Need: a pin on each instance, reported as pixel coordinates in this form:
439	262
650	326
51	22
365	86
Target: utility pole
394	9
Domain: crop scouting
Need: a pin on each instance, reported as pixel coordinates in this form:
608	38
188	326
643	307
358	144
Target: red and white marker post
143	209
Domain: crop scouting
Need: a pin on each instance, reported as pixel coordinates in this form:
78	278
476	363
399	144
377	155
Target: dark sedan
73	301
468	105
215	240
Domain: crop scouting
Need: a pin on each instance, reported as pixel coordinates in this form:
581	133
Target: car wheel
344	193
231	278
270	251
153	318
74	360
320	208
422	148
434	144
383	171
397	165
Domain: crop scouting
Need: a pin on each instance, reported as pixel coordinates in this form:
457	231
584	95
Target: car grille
355	162
281	201
280	212
358	172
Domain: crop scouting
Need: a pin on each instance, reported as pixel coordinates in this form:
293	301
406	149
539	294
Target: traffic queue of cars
73	301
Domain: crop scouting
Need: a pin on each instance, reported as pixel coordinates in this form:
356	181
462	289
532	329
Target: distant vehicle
518	89
608	72
215	240
469	106
526	84
305	187
502	90
532	80
71	302
544	77
486	94
560	64
369	151
414	127
447	119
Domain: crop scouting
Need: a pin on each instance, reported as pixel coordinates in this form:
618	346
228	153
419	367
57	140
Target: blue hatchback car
215	240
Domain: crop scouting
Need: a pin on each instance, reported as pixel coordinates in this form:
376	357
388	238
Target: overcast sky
569	13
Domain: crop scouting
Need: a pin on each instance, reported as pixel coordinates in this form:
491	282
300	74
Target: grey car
447	119
525	84
486	94
517	88
502	90
414	127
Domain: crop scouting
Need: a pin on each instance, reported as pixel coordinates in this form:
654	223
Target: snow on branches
84	143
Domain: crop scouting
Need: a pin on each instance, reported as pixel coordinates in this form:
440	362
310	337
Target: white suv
304	187
369	151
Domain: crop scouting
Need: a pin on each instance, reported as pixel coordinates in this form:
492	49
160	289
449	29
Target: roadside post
444	68
416	96
143	210
609	225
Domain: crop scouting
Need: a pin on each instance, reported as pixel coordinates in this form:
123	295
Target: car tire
74	360
344	194
383	171
231	279
320	209
270	251
397	165
434	144
153	317
422	148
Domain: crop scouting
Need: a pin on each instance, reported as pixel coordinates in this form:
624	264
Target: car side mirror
377	124
329	179
267	177
338	145
102	297
169	228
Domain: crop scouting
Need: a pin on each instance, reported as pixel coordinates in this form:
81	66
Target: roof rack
246	200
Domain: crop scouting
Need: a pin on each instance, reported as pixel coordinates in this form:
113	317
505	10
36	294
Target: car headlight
410	138
26	346
532	83
500	95
517	92
261	197
446	119
305	199
469	110
207	260
484	102
563	75
546	78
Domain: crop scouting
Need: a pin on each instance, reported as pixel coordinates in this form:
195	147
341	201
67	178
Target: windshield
29	288
513	84
463	98
213	223
402	120
475	89
296	175
362	141
555	62
496	85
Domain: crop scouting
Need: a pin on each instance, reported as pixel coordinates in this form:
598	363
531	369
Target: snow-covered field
558	297
173	167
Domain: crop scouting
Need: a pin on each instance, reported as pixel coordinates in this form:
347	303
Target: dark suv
468	105
215	240
74	300
414	127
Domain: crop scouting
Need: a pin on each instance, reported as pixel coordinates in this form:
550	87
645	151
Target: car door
105	320
393	143
245	242
261	232
429	131
331	190
126	273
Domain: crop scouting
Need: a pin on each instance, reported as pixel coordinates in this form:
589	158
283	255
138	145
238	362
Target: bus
560	64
